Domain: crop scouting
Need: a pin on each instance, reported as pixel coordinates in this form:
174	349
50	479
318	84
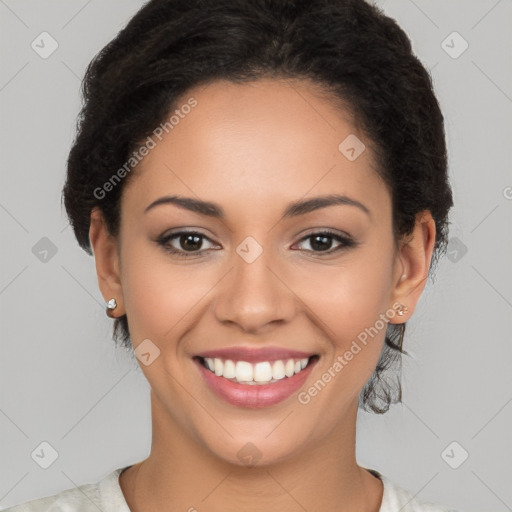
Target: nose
254	296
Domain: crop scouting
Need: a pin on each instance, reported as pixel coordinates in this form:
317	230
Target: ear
106	255
412	265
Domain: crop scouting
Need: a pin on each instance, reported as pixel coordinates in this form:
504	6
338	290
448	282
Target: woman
263	185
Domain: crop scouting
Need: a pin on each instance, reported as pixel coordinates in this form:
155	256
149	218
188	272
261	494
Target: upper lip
255	355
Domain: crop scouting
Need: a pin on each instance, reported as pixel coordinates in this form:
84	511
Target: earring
111	305
401	310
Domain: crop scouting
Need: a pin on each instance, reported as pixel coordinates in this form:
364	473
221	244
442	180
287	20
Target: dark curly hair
361	57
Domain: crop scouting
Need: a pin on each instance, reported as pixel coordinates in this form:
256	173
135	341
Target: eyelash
165	239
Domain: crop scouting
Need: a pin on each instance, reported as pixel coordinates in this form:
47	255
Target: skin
252	149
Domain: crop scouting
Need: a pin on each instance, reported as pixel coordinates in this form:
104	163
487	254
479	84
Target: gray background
63	382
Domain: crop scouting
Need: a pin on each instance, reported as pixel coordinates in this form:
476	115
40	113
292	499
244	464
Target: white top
107	496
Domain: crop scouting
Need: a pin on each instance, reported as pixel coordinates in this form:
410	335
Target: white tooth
218	366
278	370
243	371
229	369
297	367
289	368
304	363
209	363
262	372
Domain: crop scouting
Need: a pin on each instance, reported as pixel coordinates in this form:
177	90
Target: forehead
264	141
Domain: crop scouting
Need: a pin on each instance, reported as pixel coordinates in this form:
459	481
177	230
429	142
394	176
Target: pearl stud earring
111	305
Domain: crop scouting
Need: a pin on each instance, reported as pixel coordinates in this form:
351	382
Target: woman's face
255	278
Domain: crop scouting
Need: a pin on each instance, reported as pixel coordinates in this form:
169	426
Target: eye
321	242
189	243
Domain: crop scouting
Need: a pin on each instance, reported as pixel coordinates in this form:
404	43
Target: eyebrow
294	209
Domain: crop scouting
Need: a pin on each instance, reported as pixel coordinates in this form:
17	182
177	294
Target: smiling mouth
261	373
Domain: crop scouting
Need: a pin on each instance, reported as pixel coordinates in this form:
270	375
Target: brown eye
322	242
184	243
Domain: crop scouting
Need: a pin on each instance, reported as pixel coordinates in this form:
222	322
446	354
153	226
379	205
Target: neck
182	474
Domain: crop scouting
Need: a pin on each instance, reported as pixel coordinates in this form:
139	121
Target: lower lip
257	395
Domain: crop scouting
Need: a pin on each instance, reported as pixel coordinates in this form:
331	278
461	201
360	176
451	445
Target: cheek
150	296
350	297
161	297
349	304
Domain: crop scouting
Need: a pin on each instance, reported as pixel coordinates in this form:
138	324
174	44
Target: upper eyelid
329	231
173	234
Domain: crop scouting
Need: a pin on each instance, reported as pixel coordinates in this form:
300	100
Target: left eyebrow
300	207
306	206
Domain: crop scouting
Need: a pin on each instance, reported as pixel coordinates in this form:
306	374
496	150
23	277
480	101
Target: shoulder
105	495
84	498
397	498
